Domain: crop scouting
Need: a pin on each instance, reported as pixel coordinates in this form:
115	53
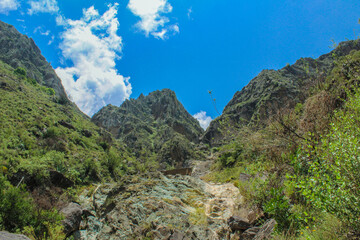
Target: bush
18	213
327	175
14	207
278	207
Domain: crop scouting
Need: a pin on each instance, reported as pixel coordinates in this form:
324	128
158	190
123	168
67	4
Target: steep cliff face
155	123
18	50
271	91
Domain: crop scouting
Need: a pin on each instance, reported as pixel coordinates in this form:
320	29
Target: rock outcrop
18	50
271	91
159	207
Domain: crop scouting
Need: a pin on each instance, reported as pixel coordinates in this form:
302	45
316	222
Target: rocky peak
156	123
18	50
159	107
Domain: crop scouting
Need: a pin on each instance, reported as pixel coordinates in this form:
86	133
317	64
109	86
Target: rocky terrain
155	206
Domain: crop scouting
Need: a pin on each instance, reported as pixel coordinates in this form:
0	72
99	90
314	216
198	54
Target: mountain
157	123
271	91
17	50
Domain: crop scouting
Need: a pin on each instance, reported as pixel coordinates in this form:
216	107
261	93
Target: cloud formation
152	17
43	6
203	119
8	5
92	45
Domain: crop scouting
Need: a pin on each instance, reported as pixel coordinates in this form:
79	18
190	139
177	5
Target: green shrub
278	206
20	71
327	174
48	91
18	213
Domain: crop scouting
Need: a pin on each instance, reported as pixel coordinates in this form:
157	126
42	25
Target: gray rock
250	233
238	223
254	215
72	214
11	236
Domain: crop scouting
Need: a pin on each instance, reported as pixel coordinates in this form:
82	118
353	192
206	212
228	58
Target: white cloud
203	119
8	5
41	31
51	40
189	12
152	17
166	32
60	20
92	45
43	6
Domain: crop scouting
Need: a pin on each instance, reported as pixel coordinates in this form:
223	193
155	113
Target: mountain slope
157	123
18	50
49	147
271	91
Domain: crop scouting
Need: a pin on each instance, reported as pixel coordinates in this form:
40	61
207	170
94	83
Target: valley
280	162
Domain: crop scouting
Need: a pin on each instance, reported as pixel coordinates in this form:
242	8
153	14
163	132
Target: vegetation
18	213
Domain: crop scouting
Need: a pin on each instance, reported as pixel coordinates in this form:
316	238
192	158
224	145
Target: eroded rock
266	230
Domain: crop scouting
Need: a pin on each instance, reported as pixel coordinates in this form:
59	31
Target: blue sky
107	51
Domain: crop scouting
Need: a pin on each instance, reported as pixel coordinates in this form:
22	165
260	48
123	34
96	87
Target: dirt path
225	201
226	198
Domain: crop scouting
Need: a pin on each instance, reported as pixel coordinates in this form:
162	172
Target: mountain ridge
272	90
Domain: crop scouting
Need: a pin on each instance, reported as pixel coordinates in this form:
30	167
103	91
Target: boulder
72	214
11	236
266	230
237	223
250	233
254	215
